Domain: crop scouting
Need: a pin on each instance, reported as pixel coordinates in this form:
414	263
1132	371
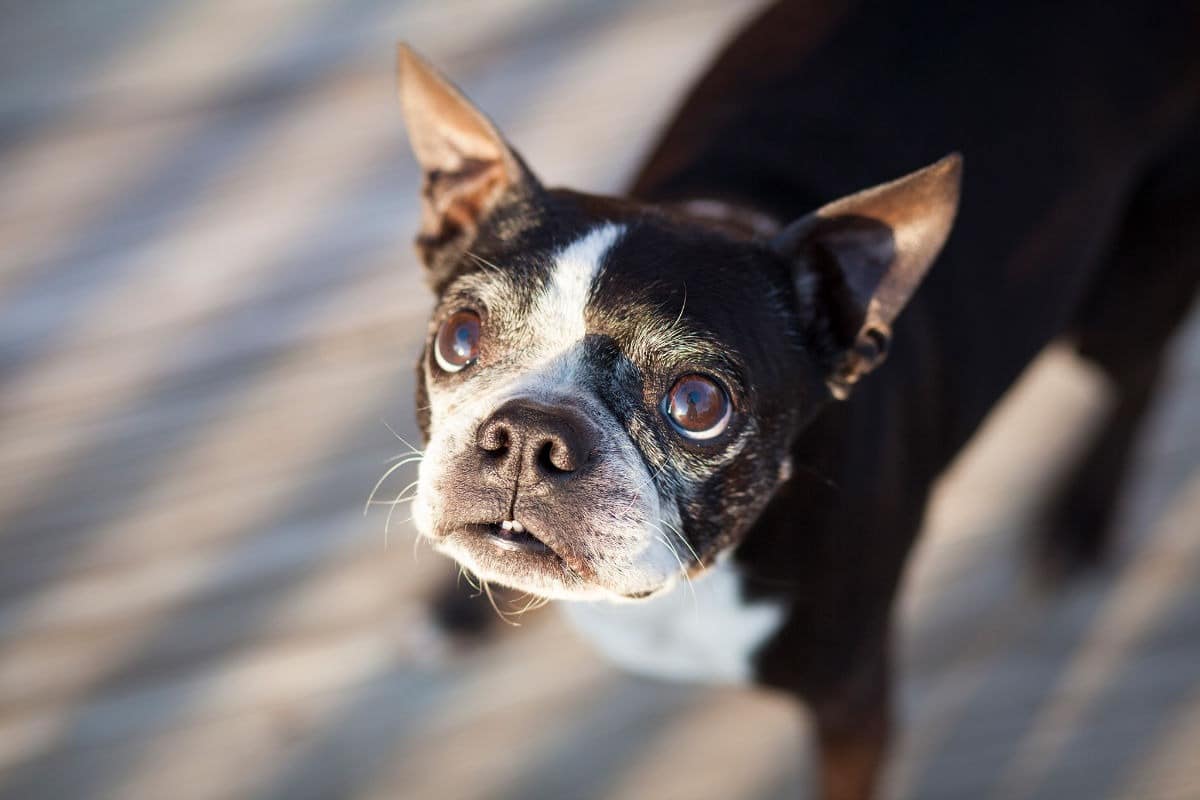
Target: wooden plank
209	308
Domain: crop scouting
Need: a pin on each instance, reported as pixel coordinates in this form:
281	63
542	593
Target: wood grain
208	311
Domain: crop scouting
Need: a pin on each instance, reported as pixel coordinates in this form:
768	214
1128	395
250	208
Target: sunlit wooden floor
208	312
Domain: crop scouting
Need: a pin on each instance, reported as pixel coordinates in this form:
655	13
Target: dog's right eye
457	344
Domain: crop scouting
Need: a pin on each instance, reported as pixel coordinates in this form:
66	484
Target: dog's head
609	390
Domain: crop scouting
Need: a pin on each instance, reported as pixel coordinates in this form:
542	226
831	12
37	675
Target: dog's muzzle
531	450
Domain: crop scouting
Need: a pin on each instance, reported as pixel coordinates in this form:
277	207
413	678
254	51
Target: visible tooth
508	524
517	527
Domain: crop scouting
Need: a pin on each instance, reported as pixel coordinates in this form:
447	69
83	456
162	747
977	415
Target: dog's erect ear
466	164
859	259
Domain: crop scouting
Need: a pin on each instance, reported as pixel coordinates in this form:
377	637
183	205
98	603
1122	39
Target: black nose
527	441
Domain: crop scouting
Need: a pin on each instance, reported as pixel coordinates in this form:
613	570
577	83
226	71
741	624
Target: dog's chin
528	564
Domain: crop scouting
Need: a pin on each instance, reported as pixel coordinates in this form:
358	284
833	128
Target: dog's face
612	383
609	391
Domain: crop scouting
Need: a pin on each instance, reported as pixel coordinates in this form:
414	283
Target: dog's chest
711	636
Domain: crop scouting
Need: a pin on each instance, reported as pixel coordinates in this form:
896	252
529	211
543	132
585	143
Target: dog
620	396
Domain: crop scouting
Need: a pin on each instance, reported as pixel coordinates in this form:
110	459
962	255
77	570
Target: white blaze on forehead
559	314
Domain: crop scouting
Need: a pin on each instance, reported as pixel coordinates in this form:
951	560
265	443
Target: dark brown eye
698	407
457	342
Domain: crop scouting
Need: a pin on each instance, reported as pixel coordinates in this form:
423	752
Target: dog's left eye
698	407
457	344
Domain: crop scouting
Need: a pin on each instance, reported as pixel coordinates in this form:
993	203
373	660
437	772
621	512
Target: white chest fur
711	638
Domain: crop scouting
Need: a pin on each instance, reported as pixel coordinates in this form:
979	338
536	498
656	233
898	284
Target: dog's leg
1124	324
833	652
840	673
853	724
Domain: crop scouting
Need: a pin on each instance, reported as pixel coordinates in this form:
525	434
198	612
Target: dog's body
1081	126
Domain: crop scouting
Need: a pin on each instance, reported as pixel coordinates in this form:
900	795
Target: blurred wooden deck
208	311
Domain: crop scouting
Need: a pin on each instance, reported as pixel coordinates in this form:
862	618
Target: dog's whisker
533	603
484	263
397	501
487	588
470	578
387	524
679	318
637	490
384	477
408	458
813	472
538	602
684	540
402	440
682	571
402	497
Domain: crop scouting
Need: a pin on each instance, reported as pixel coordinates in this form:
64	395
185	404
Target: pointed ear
859	259
467	166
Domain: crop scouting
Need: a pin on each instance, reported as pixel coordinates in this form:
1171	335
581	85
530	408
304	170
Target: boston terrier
667	409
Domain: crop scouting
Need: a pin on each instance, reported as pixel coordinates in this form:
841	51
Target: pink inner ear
883	239
467	165
447	132
873	248
455	203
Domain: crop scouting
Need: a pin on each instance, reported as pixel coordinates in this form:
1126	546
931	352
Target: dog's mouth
512	545
534	560
512	536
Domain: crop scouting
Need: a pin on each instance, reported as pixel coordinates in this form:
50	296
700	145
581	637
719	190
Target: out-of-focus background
209	309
